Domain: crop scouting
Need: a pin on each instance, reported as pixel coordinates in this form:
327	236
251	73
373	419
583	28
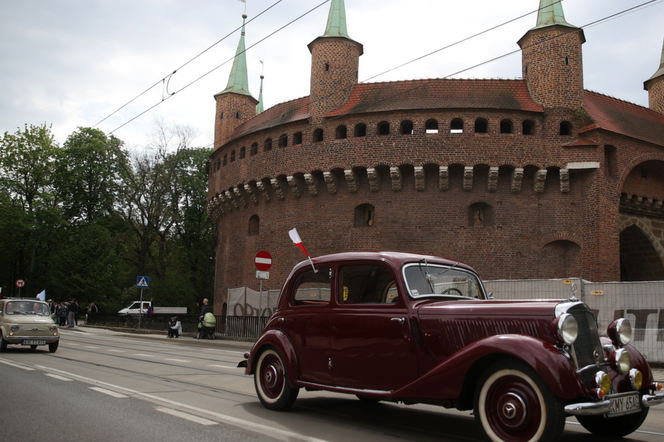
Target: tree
89	174
27	160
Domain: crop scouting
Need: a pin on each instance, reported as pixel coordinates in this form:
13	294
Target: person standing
92	313
71	313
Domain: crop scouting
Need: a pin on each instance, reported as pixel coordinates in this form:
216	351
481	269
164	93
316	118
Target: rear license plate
33	342
624	404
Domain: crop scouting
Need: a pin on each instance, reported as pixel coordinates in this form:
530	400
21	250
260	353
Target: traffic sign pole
263	262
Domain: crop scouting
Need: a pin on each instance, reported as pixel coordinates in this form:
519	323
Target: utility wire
185	64
222	64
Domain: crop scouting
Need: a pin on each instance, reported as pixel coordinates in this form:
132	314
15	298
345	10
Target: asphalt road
107	386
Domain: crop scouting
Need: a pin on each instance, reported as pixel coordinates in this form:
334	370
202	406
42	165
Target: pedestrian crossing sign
142	282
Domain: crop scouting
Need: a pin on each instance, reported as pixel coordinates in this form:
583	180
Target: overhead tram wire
185	64
593	23
221	65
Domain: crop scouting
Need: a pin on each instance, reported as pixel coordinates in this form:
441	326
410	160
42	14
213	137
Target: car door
307	323
372	346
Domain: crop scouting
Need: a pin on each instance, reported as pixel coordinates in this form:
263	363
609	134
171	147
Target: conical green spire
238	82
551	13
259	106
336	21
659	73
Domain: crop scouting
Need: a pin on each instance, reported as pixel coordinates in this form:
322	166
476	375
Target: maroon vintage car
421	329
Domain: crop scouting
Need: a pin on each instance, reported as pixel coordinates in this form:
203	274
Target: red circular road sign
20	283
263	261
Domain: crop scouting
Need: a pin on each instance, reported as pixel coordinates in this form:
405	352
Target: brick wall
553	66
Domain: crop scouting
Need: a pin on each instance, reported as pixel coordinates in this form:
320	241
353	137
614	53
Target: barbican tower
552	59
335	60
655	88
235	104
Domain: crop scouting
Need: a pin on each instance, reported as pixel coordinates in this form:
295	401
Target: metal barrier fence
641	302
230	326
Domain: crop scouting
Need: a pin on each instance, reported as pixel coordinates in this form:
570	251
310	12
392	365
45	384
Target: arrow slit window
254	225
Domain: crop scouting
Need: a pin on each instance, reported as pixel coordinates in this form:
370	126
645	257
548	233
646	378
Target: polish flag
297	241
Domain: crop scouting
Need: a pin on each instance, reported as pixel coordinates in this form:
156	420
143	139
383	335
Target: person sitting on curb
174	327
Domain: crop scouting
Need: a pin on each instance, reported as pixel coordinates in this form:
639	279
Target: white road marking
13	364
73	344
176	360
221	366
61	378
189	417
108	392
90	346
276	433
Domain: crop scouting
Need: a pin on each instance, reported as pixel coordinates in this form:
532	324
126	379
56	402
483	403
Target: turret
552	62
655	88
335	60
235	104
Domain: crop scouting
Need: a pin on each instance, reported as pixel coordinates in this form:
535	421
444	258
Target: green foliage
85	219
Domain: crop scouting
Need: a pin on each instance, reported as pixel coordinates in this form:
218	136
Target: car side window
367	284
312	288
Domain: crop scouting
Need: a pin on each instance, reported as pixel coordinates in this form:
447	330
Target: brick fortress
530	178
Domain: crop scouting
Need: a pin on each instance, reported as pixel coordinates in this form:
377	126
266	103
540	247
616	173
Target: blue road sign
142	282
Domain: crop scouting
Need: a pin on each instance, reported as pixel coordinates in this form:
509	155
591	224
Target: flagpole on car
295	237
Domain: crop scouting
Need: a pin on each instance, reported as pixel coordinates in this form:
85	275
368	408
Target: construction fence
641	302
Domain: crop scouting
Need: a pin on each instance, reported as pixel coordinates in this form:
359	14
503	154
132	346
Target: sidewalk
155	335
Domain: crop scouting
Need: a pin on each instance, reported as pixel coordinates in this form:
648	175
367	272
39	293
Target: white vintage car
27	321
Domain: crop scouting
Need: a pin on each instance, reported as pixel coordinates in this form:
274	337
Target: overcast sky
72	63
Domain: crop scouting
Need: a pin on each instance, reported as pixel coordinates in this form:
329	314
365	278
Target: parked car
409	328
27	321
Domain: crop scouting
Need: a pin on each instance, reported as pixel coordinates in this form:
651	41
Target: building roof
551	13
336	20
238	81
438	94
623	118
608	113
658	74
282	113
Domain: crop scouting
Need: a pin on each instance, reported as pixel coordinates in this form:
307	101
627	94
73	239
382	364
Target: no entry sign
263	261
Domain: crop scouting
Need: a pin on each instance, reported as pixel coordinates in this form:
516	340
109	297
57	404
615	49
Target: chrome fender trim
650	400
588	408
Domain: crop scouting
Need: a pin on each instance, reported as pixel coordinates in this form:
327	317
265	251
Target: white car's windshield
27	308
425	279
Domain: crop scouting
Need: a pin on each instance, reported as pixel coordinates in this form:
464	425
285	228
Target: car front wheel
271	381
614	426
513	404
53	346
3	343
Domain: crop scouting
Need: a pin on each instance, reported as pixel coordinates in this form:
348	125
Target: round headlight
568	328
14	328
636	378
620	332
621	360
53	328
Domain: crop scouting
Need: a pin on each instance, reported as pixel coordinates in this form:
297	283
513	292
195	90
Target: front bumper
603	407
14	340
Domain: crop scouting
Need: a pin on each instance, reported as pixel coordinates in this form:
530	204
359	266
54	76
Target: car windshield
424	279
27	308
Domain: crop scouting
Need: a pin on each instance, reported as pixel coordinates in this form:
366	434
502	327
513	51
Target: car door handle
399	320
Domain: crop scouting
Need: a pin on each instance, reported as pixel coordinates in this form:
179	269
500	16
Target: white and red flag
297	241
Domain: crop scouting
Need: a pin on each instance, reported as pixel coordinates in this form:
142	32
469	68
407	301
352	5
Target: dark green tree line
84	219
